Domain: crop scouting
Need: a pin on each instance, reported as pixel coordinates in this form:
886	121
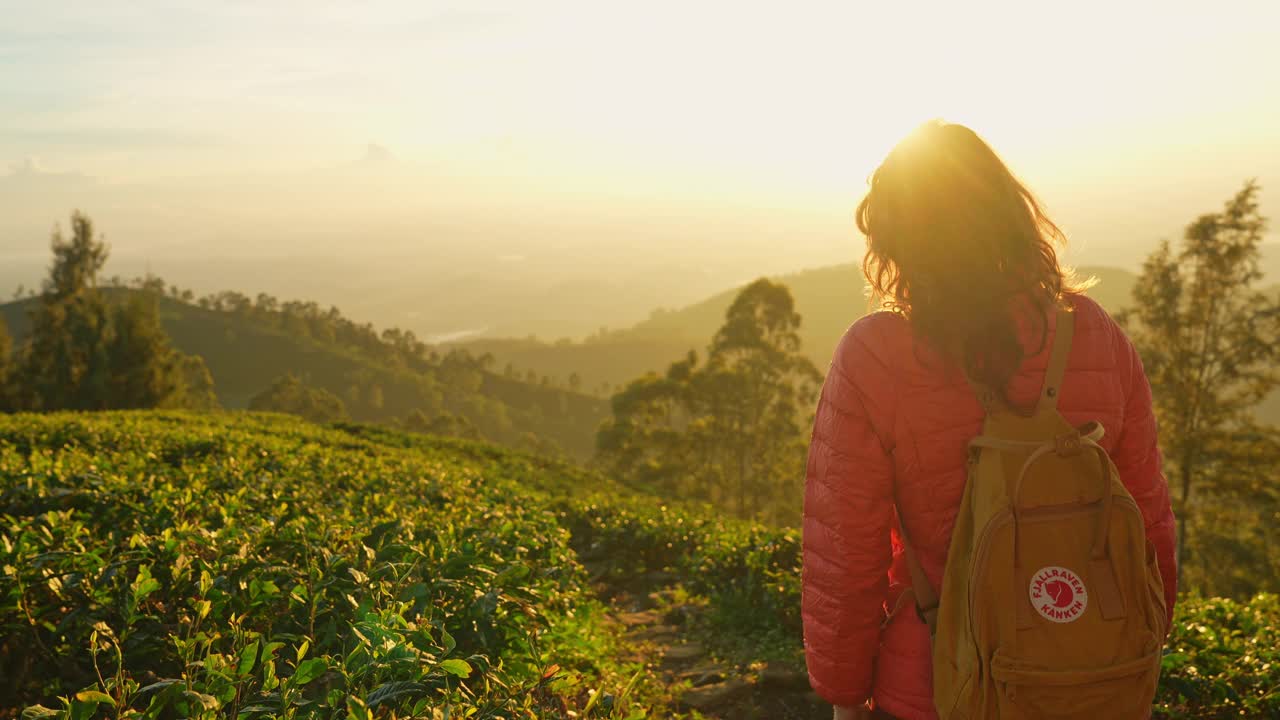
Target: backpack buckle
1068	444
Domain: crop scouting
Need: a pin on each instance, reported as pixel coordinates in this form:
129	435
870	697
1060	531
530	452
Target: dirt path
656	632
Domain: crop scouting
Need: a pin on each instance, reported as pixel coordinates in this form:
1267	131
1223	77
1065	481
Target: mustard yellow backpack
1051	603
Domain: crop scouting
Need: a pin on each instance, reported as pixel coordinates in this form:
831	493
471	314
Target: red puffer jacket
891	419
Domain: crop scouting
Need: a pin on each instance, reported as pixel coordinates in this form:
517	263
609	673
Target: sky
815	91
716	129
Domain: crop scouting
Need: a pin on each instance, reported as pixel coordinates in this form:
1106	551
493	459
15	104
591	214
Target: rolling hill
245	353
828	299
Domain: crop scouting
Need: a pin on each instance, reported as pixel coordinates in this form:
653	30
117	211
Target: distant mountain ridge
829	300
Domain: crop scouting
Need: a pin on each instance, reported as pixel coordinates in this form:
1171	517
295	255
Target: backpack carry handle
1101	572
1065	445
1075	442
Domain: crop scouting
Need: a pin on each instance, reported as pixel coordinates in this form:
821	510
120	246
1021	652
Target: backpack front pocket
1122	691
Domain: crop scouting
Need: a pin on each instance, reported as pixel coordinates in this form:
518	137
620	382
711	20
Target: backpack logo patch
1058	594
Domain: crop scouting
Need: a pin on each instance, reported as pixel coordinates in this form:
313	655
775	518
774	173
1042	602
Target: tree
731	430
1210	344
288	394
65	363
416	421
84	353
144	370
446	424
6	367
1233	538
645	440
753	393
197	385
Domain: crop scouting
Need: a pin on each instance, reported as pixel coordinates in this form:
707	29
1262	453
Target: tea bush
1222	659
157	565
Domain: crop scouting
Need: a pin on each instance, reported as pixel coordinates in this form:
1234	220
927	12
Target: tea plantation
158	565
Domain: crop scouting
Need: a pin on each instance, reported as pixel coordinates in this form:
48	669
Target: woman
962	258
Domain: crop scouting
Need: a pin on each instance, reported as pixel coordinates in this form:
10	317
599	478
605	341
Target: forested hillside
249	344
158	565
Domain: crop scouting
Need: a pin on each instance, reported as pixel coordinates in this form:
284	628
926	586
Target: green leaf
36	712
356	710
308	671
158	686
389	693
461	668
514	573
269	679
208	702
595	698
144	584
447	639
248	658
94	696
227	693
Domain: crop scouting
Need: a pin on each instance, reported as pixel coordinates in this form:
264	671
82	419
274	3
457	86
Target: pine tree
1210	344
64	364
84	353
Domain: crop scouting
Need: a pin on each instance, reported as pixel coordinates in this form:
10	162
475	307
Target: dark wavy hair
959	247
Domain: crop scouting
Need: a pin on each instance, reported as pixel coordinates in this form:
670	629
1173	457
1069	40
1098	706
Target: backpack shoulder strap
922	591
922	594
1059	354
1063	331
926	597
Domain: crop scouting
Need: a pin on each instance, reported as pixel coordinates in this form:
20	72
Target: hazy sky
1127	117
798	95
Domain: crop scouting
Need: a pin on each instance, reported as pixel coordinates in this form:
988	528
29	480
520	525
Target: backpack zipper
1004	517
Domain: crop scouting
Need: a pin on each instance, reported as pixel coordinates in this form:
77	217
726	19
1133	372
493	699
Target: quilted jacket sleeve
847	514
1137	457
